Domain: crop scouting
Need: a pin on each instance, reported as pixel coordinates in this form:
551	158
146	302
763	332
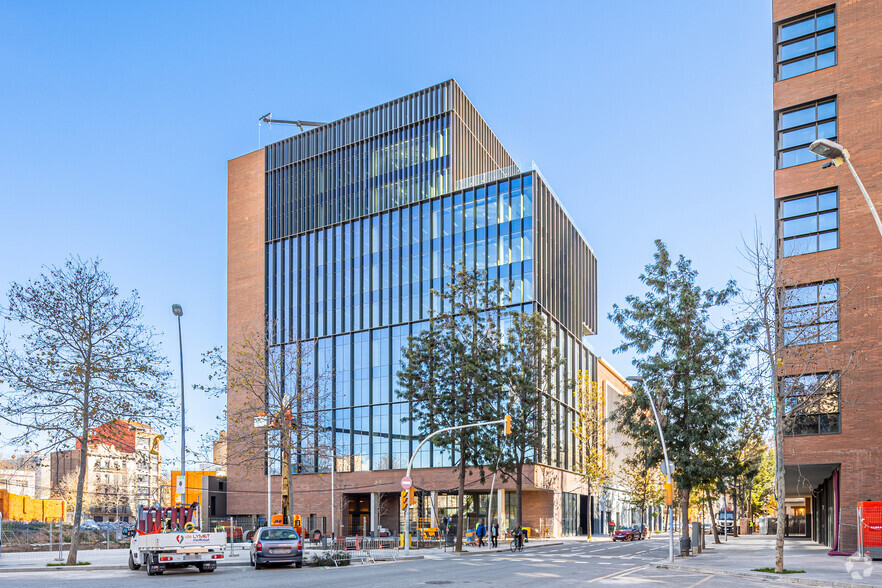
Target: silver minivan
276	545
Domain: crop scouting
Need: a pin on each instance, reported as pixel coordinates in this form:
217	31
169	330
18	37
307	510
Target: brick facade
245	310
856	81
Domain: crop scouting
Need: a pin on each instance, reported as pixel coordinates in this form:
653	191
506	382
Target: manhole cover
434	582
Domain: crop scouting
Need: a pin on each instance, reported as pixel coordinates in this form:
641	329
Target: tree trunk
460	498
684	512
590	520
710	507
286	481
750	504
519	492
779	479
81	483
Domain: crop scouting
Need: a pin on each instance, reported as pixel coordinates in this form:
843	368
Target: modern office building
336	237
827	84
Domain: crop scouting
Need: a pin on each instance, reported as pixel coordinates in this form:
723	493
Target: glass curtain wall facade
358	236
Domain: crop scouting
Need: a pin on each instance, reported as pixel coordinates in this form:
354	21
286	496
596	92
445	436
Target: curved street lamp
837	154
668	465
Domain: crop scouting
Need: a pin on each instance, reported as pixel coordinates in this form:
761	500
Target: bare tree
797	353
80	357
66	490
281	413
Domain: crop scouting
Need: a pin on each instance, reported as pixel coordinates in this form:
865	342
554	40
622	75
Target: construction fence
24	508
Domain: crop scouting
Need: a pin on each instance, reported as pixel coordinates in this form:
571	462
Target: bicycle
517	544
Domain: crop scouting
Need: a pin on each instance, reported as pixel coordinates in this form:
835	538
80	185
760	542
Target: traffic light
669	495
404	494
411	496
508	424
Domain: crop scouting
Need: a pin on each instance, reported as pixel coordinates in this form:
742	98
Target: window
811	313
808	223
805	44
811	404
798	127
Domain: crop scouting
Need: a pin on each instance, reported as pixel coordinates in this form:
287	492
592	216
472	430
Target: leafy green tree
761	492
686	363
530	368
83	358
453	373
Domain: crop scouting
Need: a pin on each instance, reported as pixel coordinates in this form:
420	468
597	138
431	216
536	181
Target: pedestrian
494	534
480	531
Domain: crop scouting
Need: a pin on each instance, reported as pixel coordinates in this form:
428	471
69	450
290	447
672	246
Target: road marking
615	574
701	581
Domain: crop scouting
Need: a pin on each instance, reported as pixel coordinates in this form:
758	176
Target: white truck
158	551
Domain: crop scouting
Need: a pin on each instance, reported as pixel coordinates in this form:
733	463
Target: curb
763	576
105	567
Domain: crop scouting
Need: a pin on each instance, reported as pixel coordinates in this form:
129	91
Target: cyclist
518	543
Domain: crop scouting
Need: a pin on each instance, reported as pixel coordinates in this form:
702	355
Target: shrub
327	558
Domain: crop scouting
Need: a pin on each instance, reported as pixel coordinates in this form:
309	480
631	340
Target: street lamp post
837	154
667	465
506	421
178	312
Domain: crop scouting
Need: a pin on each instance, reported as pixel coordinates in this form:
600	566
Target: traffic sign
406	482
667	467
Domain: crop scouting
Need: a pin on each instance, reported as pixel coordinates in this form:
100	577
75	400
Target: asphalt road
573	563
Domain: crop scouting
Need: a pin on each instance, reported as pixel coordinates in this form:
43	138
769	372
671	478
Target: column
557	515
374	523
500	512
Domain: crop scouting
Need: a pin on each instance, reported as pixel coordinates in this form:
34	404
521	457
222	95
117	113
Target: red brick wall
856	80
245	309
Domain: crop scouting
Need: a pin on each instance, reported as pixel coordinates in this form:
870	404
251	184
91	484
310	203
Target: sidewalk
740	555
99	559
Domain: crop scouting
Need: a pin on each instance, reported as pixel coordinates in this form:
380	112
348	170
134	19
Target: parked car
276	545
627	534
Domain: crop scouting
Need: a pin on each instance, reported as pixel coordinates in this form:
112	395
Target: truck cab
726	521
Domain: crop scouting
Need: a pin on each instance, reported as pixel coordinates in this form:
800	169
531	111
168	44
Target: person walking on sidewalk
494	534
480	532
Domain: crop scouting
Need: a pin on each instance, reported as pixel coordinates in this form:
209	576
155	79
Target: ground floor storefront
555	503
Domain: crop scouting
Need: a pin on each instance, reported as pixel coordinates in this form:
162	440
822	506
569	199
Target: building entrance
359	514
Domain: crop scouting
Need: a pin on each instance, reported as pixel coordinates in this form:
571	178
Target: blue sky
649	120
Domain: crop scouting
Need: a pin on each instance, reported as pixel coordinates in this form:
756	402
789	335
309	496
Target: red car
627	534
